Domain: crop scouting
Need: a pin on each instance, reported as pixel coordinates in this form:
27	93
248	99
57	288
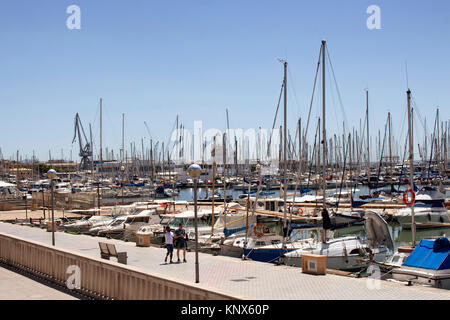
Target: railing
100	279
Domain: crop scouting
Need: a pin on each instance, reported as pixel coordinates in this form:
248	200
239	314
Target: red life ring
256	232
300	211
413	197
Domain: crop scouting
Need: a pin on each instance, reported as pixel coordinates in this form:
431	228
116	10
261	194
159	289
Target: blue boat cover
228	232
429	254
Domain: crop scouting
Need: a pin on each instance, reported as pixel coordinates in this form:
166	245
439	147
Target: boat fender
326	222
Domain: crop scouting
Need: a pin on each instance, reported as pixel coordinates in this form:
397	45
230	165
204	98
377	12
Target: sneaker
179	260
184	260
171	261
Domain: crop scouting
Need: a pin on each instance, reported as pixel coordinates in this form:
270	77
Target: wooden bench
108	250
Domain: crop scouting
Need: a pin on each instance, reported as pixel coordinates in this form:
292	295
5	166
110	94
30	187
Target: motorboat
428	209
86	223
127	228
117	221
63	187
342	253
428	265
217	197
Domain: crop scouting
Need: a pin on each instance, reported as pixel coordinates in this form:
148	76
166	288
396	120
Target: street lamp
51	174
194	172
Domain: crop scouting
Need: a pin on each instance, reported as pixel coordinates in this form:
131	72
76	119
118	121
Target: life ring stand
300	211
259	234
405	197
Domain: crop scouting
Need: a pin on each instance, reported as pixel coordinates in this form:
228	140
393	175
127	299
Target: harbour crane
86	148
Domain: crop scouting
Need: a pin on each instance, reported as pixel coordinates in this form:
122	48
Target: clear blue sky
153	60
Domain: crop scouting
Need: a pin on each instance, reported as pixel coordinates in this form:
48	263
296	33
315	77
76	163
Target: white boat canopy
4	184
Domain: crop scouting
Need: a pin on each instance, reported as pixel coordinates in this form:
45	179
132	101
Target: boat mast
411	167
368	139
324	137
350	168
101	137
213	183
285	156
123	137
390	148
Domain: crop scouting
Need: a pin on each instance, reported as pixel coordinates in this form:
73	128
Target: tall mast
350	178
224	155
390	148
368	139
101	136
92	153
123	137
213	184
411	166
285	156
324	137
151	159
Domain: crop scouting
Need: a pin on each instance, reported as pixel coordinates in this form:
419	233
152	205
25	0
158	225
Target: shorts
169	248
181	244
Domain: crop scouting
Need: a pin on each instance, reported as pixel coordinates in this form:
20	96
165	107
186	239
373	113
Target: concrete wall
99	278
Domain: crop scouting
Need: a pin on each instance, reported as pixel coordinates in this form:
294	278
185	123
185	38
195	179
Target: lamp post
194	172
51	174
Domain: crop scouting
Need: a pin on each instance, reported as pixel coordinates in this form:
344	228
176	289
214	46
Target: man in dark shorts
180	237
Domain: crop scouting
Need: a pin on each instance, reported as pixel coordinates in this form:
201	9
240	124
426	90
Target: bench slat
103	248
112	249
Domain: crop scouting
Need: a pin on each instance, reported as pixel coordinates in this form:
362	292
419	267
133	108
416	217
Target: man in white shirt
169	243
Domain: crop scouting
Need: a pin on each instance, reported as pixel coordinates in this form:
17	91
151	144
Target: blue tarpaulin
430	254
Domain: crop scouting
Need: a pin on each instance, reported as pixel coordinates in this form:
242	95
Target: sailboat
346	253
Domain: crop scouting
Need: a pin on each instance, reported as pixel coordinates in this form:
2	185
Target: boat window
260	243
354	251
275	241
116	223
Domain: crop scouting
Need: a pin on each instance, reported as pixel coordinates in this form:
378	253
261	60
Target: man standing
180	236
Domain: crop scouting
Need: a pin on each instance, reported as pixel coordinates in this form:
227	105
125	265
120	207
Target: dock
220	276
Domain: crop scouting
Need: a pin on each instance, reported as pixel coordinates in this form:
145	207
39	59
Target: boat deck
240	279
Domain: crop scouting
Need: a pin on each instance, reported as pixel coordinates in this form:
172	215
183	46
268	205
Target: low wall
100	279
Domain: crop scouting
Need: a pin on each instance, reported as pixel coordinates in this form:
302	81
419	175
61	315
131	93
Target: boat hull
421	215
438	279
349	263
271	255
